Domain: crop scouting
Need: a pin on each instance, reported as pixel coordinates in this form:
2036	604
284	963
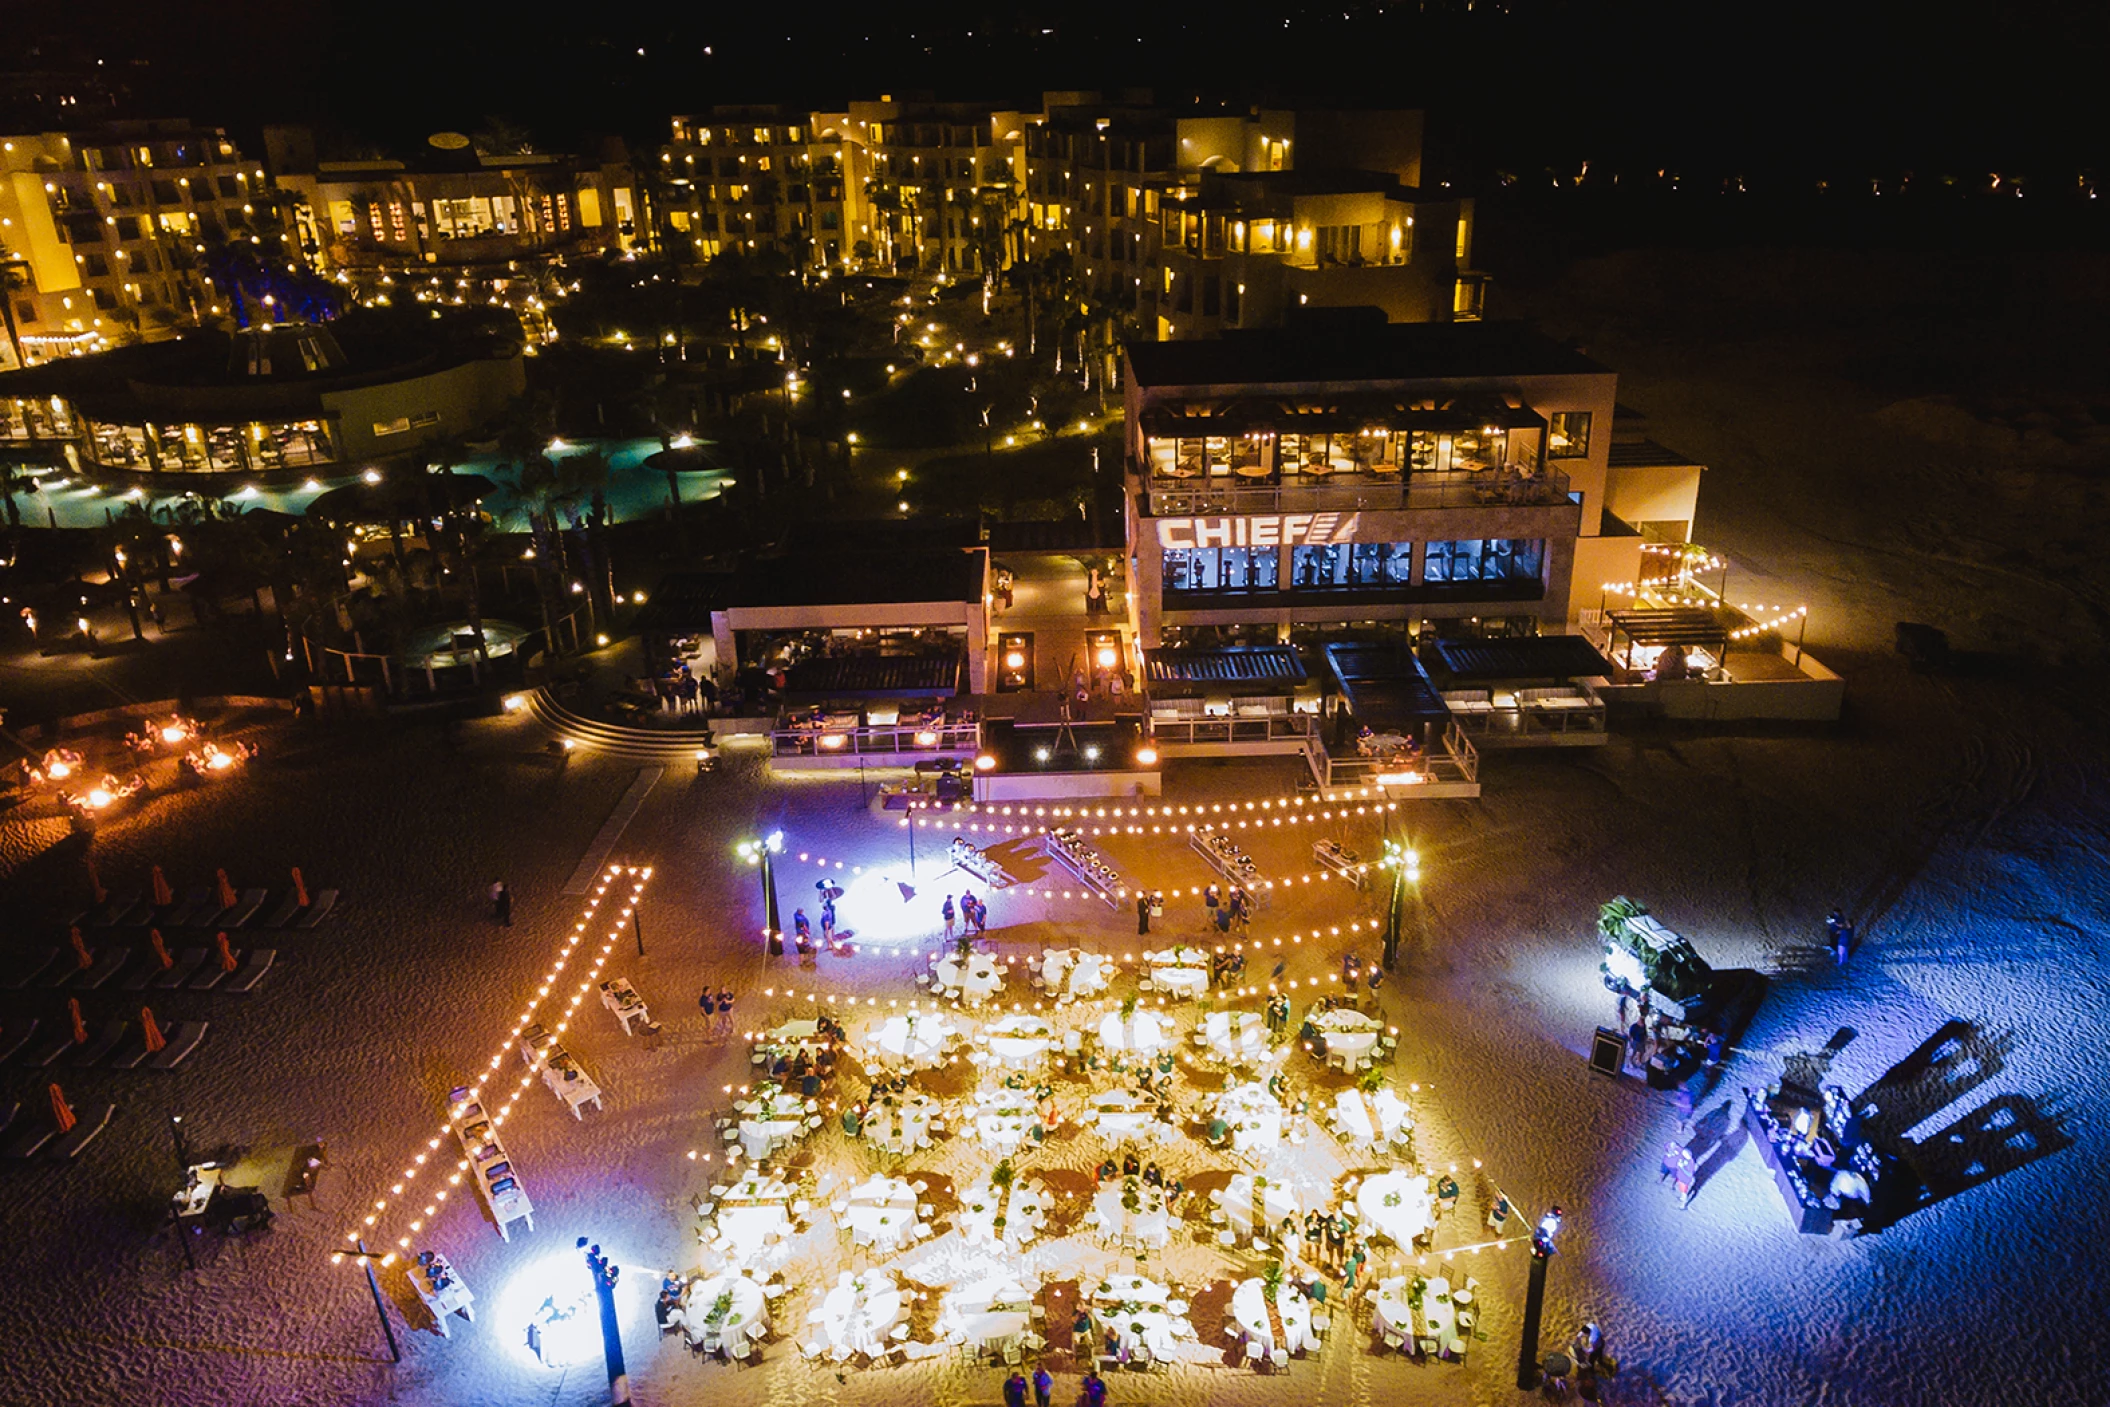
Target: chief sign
1258	530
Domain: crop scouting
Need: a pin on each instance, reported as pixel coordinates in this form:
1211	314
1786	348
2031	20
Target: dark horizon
1780	98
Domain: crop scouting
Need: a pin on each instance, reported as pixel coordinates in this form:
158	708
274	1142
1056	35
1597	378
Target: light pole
373	1285
605	1275
763	852
1405	865
1535	1299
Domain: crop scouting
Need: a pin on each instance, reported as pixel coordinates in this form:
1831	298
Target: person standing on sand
1043	1387
1683	1176
947	914
1094	1389
502	904
1015	1390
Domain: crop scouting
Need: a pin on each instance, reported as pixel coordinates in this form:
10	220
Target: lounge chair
325	900
113	957
14	1035
102	1042
90	1123
255	963
183	1038
37	967
187	963
245	908
283	911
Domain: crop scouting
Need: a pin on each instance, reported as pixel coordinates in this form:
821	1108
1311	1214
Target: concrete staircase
639	744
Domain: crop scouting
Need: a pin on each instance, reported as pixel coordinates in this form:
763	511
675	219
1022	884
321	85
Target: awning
1525	657
874	677
1671	625
1385	686
1257	669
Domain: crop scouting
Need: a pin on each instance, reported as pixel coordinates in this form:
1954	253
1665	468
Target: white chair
811	1348
1227	1239
1394	1341
1280	1358
1253	1353
1320	1323
1454	1350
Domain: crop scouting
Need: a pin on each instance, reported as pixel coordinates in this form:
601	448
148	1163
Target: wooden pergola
1669	626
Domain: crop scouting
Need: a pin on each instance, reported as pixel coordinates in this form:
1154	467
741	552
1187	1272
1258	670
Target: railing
866	740
1458	762
1346	493
1274	727
1581	712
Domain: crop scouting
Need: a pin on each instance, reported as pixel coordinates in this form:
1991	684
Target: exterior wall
746	179
452	403
1597	561
108	224
368	215
1654	493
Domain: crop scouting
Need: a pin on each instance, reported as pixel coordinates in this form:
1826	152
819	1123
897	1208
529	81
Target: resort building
299	399
105	233
1430	479
758	179
451	207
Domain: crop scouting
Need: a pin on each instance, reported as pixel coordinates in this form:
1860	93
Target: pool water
633	491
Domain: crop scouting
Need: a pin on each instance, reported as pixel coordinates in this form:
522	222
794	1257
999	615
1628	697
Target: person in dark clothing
502	904
1043	1387
1015	1390
1142	913
1094	1389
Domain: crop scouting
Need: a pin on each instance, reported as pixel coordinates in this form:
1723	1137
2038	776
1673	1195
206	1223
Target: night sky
1779	93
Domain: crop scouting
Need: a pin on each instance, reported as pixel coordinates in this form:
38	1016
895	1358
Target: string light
370	1222
1082	813
1761	627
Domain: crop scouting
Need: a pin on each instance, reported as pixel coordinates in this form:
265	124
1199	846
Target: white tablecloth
857	1313
1149	1323
1349	1032
1395	1313
988	1311
1278	1200
903	1126
1120	1111
909	1040
1249	1311
750	1215
1022	1223
1002	1116
977	979
1254	1116
1236	1035
1151	1225
1410	1217
761	1137
1019	1040
1353	1110
1146	1030
1181	981
883	1212
1079	974
745	1320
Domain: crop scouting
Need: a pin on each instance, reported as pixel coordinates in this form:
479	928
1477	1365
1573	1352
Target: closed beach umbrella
227	894
151	1029
300	888
80	1025
163	895
226	953
80	949
95	882
61	1111
161	951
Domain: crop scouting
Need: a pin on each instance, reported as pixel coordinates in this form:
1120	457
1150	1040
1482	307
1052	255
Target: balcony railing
1526	715
1268	728
892	739
1353	492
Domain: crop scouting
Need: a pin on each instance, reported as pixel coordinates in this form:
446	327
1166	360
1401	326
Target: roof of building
1675	625
875	676
1527	657
1385	686
685	600
1641	454
1388	352
1272	666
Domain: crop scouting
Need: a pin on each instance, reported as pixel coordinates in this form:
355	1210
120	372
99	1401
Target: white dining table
989	1311
1002	1117
1349	1032
1236	1036
1019	1040
910	1040
768	1124
752	1213
976	979
1146	1030
882	1212
857	1313
903	1126
1120	1111
1181	981
1150	1224
1277	1200
1397	1205
745	1318
1249	1312
1024	1215
1137	1311
1080	974
1394	1310
1254	1116
1377	1116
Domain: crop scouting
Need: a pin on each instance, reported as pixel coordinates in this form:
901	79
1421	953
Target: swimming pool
633	491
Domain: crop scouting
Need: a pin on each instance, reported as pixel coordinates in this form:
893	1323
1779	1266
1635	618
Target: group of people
1043	1386
717	1008
1228	913
971	918
1150	1174
680	691
802	929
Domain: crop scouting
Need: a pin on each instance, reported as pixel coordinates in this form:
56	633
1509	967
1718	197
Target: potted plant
1271	1281
1004	1174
